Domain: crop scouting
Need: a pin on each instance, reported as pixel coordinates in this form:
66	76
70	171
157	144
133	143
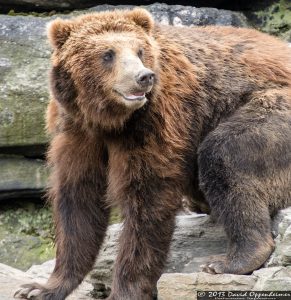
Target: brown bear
143	114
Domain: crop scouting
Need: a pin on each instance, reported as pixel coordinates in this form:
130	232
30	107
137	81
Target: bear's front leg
149	220
80	215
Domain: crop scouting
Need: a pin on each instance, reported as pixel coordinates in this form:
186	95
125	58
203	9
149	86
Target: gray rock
24	62
273	279
282	231
179	15
101	275
21	177
11	279
195	239
175	286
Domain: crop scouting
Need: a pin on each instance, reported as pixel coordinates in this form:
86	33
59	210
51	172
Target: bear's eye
108	56
140	53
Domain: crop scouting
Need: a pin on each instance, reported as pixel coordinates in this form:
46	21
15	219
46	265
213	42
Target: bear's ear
58	32
142	18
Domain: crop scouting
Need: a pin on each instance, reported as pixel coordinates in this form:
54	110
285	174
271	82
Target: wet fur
218	121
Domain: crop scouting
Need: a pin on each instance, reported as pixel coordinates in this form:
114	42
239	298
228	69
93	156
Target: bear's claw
216	266
29	291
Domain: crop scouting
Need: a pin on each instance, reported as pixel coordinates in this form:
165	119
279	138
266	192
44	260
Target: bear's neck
135	130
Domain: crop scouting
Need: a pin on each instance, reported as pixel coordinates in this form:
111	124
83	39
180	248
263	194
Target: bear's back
241	50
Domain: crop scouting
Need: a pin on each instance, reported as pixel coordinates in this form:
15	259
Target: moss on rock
12	12
275	19
26	234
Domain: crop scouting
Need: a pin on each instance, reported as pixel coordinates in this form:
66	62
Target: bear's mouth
136	96
139	96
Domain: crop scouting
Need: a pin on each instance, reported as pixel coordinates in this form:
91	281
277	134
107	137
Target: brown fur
218	117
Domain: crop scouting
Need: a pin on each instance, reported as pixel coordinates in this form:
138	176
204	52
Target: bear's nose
145	78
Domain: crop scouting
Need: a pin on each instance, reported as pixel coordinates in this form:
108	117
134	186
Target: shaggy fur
217	120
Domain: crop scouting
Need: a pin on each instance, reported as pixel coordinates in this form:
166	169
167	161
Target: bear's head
104	65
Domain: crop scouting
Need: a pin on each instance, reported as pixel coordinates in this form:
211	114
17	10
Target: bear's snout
145	78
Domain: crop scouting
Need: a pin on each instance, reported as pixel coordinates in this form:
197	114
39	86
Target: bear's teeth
135	96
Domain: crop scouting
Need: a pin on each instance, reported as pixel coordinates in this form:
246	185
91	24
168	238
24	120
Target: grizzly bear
144	114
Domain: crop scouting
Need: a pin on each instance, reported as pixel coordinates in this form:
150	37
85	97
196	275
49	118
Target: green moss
27	233
276	19
33	13
24	100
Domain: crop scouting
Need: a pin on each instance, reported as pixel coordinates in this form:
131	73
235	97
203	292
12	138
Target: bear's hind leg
244	172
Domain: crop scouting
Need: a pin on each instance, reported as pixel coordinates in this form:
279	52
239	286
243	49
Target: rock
60	5
273	279
43	271
24	64
179	15
175	286
185	286
195	239
11	279
101	276
282	231
21	177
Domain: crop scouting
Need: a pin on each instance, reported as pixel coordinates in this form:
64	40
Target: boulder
175	286
21	177
179	15
195	239
282	231
11	279
24	64
61	5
